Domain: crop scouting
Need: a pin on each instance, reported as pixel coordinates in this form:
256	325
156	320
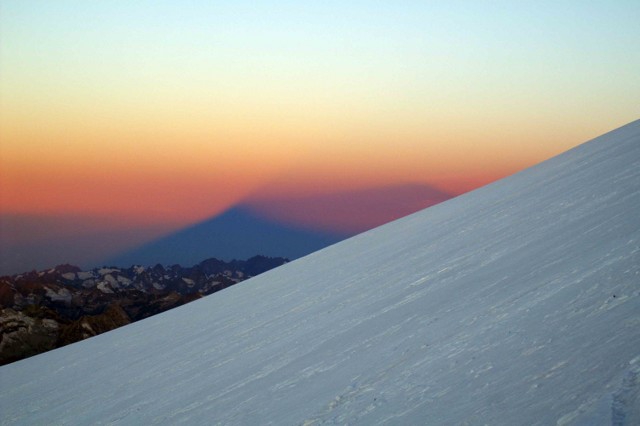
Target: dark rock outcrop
40	311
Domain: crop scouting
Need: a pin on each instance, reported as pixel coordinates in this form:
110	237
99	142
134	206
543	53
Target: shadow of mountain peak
237	233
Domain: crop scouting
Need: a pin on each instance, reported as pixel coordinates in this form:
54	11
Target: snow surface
516	304
63	295
69	276
84	275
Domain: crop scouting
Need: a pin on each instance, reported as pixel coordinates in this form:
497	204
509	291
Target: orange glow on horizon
139	134
192	164
161	179
160	116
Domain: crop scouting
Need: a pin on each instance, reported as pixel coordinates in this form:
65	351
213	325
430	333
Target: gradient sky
162	112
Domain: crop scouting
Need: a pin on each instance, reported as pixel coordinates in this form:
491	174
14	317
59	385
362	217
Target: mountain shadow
350	211
237	233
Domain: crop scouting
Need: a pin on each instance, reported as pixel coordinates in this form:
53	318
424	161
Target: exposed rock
48	309
22	336
88	326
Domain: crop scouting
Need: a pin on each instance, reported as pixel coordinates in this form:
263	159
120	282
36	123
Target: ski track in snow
518	303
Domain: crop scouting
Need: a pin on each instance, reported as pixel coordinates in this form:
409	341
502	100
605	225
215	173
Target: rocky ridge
44	310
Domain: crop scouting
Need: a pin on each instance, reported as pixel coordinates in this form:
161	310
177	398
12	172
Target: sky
157	114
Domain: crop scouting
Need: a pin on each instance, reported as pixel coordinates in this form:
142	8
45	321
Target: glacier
515	304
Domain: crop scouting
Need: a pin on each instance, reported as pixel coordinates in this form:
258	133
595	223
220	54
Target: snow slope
518	303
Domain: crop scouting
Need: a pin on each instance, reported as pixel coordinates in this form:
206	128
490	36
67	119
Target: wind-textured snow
518	303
